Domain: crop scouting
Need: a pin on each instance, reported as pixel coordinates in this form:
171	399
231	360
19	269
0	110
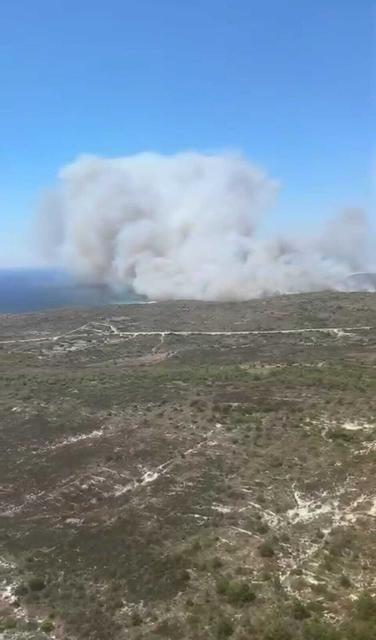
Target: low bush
36	584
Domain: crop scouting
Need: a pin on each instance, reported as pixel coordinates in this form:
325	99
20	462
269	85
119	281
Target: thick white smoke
186	226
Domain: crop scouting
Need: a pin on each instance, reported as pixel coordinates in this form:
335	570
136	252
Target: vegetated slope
190	471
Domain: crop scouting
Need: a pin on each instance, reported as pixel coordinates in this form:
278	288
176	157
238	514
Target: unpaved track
168	332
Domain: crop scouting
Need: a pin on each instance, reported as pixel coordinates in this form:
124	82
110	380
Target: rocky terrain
187	470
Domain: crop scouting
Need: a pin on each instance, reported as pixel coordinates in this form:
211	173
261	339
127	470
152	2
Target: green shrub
47	626
262	527
278	630
225	629
300	611
222	585
36	584
345	581
358	630
136	619
184	575
21	590
216	563
8	623
316	630
365	607
238	593
340	434
266	549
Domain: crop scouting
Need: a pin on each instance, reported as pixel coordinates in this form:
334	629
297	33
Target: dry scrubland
194	483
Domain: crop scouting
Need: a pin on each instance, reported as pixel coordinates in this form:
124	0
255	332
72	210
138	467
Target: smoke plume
188	226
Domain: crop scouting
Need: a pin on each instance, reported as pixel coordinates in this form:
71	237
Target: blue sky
288	82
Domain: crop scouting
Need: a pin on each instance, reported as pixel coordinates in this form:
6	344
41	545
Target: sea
27	290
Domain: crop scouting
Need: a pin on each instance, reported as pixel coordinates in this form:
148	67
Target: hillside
190	471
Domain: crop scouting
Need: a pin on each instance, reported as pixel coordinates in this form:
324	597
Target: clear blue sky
289	82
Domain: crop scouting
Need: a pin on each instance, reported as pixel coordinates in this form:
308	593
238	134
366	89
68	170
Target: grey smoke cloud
187	226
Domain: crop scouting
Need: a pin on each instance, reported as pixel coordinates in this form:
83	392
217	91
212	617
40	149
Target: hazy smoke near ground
187	226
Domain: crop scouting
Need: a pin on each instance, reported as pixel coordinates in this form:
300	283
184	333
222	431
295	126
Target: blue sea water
23	290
